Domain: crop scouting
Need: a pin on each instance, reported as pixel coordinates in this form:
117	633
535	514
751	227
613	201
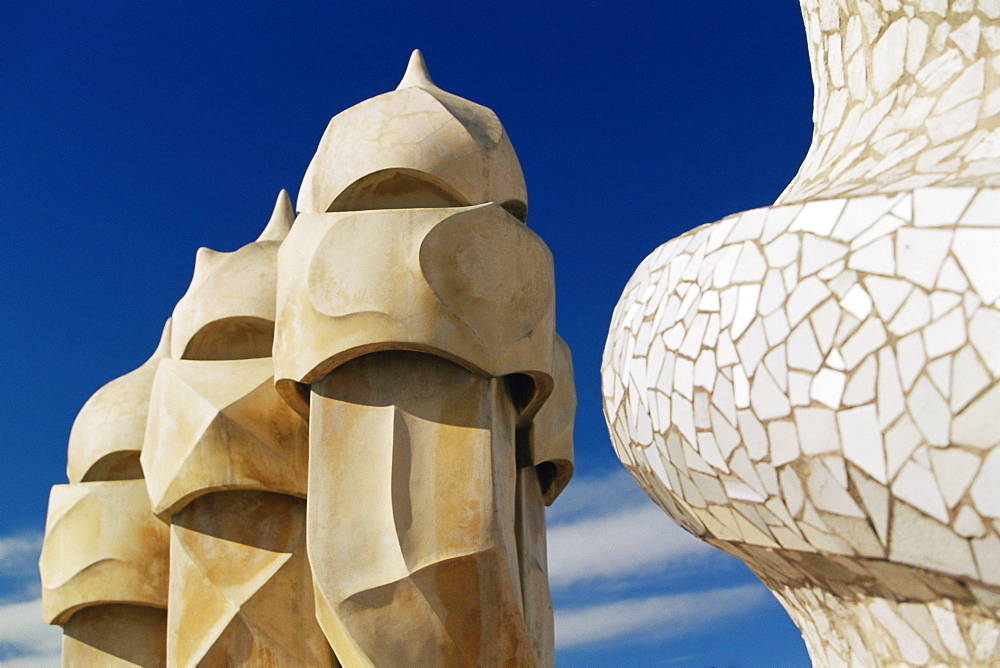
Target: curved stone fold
217	426
342	449
417	146
103	545
471	284
108	433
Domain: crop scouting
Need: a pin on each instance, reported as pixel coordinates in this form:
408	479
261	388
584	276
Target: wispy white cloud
606	538
634	541
19	554
603	528
26	640
611	530
660	616
19	566
594	495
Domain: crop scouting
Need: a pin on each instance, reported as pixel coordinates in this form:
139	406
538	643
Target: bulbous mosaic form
814	387
341	451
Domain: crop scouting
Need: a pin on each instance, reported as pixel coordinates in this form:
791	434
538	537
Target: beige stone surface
415	328
228	311
412	513
240	584
415	147
116	635
102	546
551	430
108	433
471	284
349	432
220	425
532	561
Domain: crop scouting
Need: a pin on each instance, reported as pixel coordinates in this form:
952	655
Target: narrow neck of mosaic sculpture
907	94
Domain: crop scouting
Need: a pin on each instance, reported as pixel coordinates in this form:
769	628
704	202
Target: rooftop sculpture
814	386
340	451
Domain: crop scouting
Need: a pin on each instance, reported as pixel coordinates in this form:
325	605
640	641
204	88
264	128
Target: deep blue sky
133	133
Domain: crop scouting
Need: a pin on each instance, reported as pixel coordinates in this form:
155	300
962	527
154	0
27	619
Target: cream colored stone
220	425
409	314
116	635
108	572
240	584
412	514
107	436
552	427
228	311
415	147
102	545
532	560
471	284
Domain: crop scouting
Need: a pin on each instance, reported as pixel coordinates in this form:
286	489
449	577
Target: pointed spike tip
163	347
204	256
281	219
416	73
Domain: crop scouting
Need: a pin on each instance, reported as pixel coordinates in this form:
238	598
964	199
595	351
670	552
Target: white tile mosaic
916	485
863	440
973	426
954	469
857	302
860	387
881	363
849	417
942	302
930	412
868	338
890	401
912	315
887	294
969	378
939	371
975	250
984	492
828	387
968	524
945	335
910	358
920	253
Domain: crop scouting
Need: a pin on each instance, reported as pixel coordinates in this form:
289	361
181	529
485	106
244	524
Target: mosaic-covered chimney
341	451
813	386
